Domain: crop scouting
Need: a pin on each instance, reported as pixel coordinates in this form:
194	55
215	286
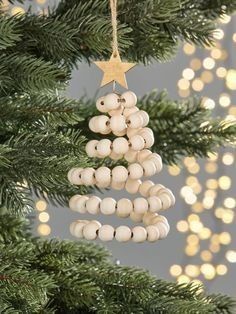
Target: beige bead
78	203
159	218
145	117
119	174
100	105
155	204
78	229
154	189
135	171
103	185
132	186
145	187
130	99
149	168
91	148
147	137
88	176
131	132
148	218
116	111
74	176
90	230
73	201
106	233
128	111
131	155
93	205
71	227
108	206
117	185
153	233
166	201
104	148
121	133
111	101
115	156
143	155
92	124
124	208
171	195
140	205
102	124
135	120
163	230
139	234
103	174
137	142
123	234
157	160
117	123
136	217
120	145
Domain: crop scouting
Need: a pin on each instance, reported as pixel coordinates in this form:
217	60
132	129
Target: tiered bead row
156	228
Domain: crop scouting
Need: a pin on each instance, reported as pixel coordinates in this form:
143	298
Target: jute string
113	5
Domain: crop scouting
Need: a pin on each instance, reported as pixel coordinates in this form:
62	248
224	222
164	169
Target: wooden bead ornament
149	168
124	208
166	201
163	230
74	176
104	148
136	217
131	156
91	148
135	120
120	133
128	111
78	203
171	195
112	101
155	204
132	186
93	125
117	185
93	205
154	189
123	234
117	123
115	156
139	234
147	137
130	99
106	233
157	160
102	124
102	175
137	142
145	117
120	145
77	227
116	111
145	187
153	233
108	206
135	171
131	132
119	174
149	217
100	105
143	155
140	205
90	230
88	176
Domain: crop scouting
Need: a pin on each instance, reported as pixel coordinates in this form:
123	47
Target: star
114	70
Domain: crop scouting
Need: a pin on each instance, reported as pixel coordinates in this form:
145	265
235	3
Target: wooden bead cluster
125	120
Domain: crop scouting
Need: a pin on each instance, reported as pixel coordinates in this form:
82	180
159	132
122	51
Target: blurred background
201	246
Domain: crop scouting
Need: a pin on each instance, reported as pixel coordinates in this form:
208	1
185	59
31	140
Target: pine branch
9	32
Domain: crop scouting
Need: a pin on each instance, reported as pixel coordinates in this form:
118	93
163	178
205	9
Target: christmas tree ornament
121	117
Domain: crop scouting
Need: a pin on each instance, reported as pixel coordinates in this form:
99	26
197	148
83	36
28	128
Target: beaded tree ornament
121	116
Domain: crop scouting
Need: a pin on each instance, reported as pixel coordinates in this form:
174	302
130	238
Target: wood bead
147	137
117	185
148	218
91	148
140	205
149	168
171	195
123	234
163	230
73	200
145	117
115	156
93	125
108	206
139	234
100	105
90	230
88	176
155	204
137	142
143	155
116	111
106	233
119	174
130	99
153	233
124	208
117	123
166	201
78	229
131	155
74	176
102	124
93	205
131	132
128	111
103	185
157	160
154	189
136	217
104	148
120	145
111	101
103	174
121	133
78	203
159	218
135	120
145	187
132	186
135	171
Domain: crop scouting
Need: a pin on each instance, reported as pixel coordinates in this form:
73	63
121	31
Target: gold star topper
114	70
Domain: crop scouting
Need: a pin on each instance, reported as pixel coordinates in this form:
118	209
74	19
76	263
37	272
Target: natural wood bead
71	227
166	201
171	195
111	101
73	200
137	142
131	155
117	123
136	217
103	185
163	230
139	234
145	187
88	176
103	174
115	156
149	168
148	218
90	230
92	124
157	160
135	171
117	185
143	155
78	228
100	105
106	233
119	174
124	207
121	133
158	218
132	186
74	176
135	120
93	205
147	137
153	233
128	111
120	145
130	99
108	206
91	148
140	205
116	111
77	203
145	117
104	147
154	189
155	204
102	124
131	132
123	234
